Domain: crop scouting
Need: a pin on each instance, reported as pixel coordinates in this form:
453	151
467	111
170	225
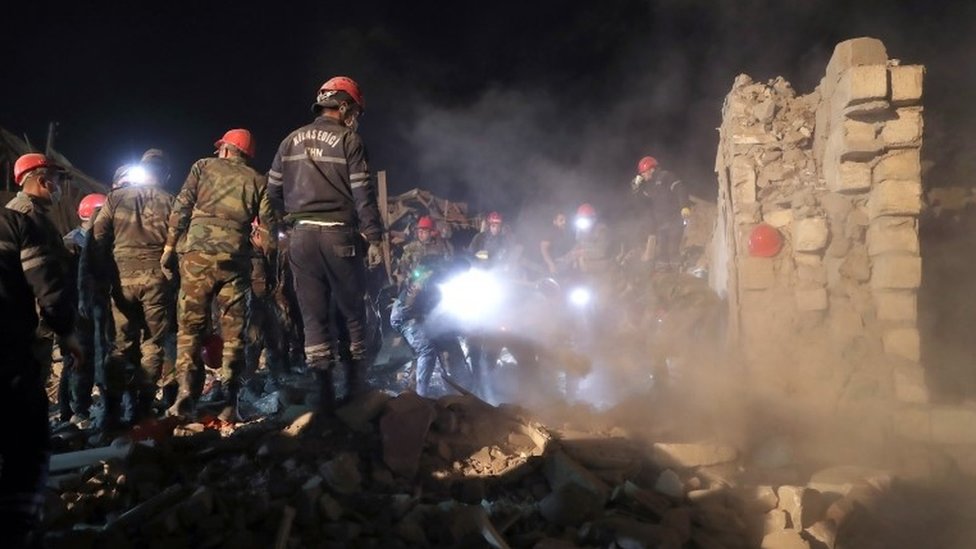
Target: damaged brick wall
833	315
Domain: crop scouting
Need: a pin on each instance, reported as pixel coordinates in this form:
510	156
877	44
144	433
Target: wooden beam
385	218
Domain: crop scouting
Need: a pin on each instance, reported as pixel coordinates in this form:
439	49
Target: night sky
501	104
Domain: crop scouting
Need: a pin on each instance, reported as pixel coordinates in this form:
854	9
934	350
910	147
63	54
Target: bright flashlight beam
584	223
580	297
136	175
471	295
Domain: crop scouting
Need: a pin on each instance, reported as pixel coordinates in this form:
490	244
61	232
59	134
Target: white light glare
136	175
471	295
584	223
580	297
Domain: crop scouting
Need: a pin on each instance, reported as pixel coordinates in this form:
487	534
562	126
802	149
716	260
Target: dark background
496	103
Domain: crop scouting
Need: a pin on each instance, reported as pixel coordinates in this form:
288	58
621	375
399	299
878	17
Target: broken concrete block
811	300
910	385
842	479
847	176
669	484
810	234
804	505
403	429
362	410
689	455
853	53
900	165
569	505
825	532
560	470
896	272
756	273
776	520
953	425
893	235
906	83
903	343
905	130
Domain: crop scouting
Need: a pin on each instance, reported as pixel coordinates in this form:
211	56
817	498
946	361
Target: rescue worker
556	244
40	181
492	245
264	335
31	279
593	254
128	238
210	229
427	243
410	316
75	390
667	201
320	179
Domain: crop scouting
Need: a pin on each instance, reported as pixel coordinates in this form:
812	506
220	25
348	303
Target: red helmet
27	163
88	205
426	222
764	241
646	163
586	210
327	92
239	138
212	351
494	217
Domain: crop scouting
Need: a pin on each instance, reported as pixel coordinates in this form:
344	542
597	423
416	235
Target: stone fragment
910	387
847	176
906	83
842	479
689	455
342	473
895	198
762	498
804	505
856	52
903	343
785	539
896	306
649	501
899	165
669	484
893	235
743	176
778	218
852	140
905	130
569	505
776	520
824	532
299	424
858	85
362	410
810	234
895	272
560	470
403	428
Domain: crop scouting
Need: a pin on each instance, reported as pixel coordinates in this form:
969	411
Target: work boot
111	418
184	404
229	412
326	391
355	378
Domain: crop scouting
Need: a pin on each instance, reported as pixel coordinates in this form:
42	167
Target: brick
905	130
896	306
859	85
811	300
778	218
906	83
910	387
847	176
893	234
856	52
903	165
895	198
903	343
853	139
810	234
953	425
911	422
756	273
743	175
895	272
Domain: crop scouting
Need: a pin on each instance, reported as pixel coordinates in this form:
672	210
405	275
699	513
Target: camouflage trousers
141	313
208	279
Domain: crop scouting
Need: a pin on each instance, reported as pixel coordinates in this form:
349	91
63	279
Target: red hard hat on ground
239	138
212	351
494	217
327	92
765	241
586	210
425	222
646	163
27	163
88	205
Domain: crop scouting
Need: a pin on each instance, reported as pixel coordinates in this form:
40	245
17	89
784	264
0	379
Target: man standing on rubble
320	179
556	244
128	237
493	244
427	243
214	210
31	279
669	207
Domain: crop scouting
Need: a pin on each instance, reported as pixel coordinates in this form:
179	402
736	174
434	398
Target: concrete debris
693	455
786	539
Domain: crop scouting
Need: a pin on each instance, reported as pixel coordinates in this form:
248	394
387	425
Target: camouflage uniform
416	250
211	223
128	238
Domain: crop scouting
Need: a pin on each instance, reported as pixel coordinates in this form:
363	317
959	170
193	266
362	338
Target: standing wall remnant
837	172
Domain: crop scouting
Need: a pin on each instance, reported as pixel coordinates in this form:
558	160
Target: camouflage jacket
214	210
130	229
416	250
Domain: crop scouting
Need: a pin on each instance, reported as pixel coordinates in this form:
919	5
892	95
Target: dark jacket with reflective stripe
666	195
321	173
28	272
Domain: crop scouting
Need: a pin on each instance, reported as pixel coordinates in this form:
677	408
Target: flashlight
580	297
584	223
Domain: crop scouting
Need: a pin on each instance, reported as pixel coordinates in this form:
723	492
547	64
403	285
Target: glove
374	256
167	262
636	183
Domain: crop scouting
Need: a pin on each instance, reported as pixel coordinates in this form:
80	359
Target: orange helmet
764	241
28	163
329	93
426	222
239	138
88	205
586	210
646	163
494	217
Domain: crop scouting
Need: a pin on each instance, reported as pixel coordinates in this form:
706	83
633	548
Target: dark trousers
669	243
328	269
25	450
